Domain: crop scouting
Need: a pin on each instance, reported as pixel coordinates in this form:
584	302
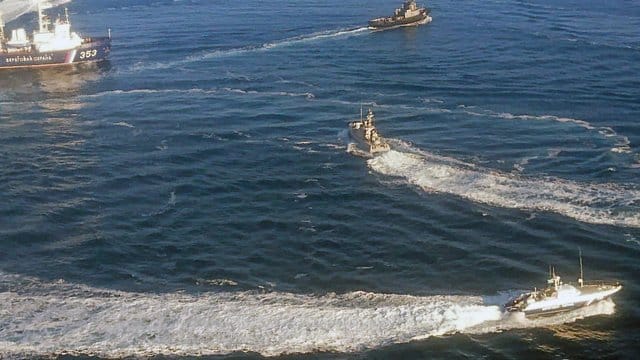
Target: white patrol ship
559	297
52	44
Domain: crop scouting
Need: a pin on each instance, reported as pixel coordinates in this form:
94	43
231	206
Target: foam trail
123	124
318	36
622	143
117	324
147	92
340	33
44	319
592	203
307	95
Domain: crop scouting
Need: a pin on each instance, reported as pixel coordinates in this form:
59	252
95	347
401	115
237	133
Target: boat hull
357	135
557	310
385	23
93	50
588	295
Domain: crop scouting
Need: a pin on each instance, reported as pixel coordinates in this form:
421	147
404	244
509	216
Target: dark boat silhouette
366	135
408	14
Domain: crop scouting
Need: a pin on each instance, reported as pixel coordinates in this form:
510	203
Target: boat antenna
66	15
1	30
42	23
581	278
360	111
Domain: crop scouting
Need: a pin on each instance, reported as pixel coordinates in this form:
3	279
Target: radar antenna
1	30
42	21
581	278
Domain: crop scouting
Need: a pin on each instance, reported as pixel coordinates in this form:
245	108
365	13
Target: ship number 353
88	54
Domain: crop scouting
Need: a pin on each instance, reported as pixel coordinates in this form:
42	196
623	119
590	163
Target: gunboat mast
581	278
41	23
1	30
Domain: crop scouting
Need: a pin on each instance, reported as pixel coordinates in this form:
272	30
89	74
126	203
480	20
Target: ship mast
553	278
1	30
581	278
42	23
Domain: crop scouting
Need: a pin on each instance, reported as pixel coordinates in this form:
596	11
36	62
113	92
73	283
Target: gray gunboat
366	135
408	14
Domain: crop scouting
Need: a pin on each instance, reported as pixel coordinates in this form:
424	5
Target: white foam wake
323	35
40	318
116	324
339	33
48	319
307	95
593	203
223	53
622	144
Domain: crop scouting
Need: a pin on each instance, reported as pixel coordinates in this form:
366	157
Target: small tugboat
366	135
408	14
52	44
558	297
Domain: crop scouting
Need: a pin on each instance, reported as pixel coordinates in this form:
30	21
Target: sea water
196	195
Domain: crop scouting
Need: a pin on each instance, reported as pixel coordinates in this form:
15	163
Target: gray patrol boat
558	297
408	14
366	135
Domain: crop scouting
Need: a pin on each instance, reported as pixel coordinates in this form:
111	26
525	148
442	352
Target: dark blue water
197	195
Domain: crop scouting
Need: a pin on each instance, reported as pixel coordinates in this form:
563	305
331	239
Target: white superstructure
51	43
410	9
49	36
558	297
56	36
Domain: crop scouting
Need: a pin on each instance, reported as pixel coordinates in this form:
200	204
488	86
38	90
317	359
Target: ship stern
94	49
